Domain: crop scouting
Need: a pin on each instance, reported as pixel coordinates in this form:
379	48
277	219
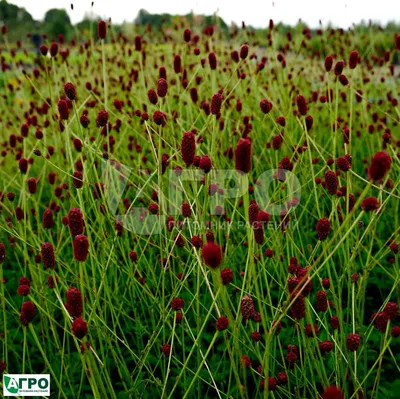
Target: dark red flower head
53	49
380	165
331	182
79	328
188	148
28	311
186	210
24	289
102	118
74	304
63	110
187	34
70	91
226	276
205	163
243	155
212	59
244	51
332	392
212	254
43	49
381	320
166	349
102	29
216	103
222	323
23	165
77	179
75	221
265	106
338	68
177	63
48	257
247	307
301	105
159	118
353	59
152	96
138	43
162	87
177	304
343	163
323	228
392	310
2	252
352	342
328	63
369	204
197	242
81	248
32	185
322	301
48	221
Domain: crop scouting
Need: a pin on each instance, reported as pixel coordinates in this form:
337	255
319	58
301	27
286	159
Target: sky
341	13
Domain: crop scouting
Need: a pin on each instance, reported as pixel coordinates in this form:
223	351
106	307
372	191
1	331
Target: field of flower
189	214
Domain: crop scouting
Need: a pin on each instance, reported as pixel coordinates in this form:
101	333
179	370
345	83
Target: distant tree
57	22
10	13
